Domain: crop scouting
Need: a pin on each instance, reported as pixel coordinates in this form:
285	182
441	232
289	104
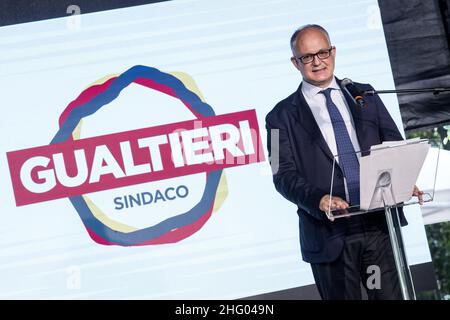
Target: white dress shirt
317	103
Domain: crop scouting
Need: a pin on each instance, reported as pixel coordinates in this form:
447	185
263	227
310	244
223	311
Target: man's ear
295	63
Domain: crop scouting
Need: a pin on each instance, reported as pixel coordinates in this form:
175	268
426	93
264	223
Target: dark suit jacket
305	165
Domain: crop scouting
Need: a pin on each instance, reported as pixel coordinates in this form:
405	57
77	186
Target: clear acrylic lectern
388	174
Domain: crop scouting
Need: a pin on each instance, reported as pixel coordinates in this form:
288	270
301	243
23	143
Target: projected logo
157	183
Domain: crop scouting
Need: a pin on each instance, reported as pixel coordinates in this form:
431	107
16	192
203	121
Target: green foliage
438	234
447	137
424	133
440	136
432	134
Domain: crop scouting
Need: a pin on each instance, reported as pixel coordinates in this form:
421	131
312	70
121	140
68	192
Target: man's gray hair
303	28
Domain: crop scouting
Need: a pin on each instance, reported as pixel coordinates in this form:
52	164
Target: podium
388	173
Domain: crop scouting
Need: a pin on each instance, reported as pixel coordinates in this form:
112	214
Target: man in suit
305	130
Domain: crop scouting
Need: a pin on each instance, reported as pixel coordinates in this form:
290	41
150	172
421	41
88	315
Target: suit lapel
308	122
356	112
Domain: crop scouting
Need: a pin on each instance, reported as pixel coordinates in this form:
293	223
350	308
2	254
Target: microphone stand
435	91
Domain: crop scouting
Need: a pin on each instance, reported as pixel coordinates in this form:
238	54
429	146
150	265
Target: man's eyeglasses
322	55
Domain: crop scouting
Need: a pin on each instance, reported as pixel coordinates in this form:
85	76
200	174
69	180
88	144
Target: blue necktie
348	161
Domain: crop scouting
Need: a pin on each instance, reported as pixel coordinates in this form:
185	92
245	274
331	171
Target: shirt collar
311	91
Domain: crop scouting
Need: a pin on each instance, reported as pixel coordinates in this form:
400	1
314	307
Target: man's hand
332	203
418	193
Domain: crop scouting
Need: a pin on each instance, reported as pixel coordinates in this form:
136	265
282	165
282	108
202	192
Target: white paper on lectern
402	159
385	144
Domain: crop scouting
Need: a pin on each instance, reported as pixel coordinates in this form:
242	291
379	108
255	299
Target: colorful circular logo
100	227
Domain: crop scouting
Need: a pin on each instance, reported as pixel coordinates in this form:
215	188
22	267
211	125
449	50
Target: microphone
353	91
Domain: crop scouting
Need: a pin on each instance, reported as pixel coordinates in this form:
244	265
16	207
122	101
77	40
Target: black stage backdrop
418	40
